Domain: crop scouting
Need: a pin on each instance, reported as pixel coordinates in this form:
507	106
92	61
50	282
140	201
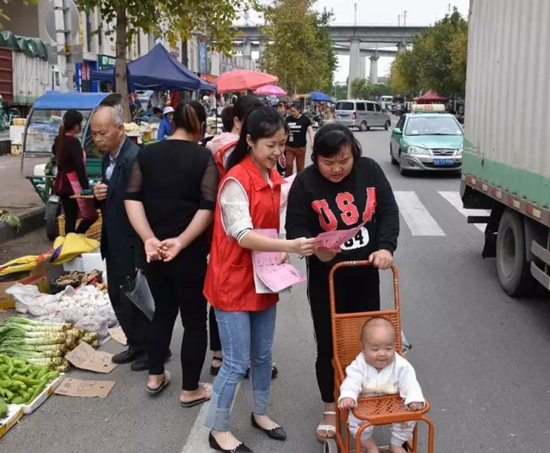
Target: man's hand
170	248
325	254
381	259
100	191
416	406
284	258
152	249
346	404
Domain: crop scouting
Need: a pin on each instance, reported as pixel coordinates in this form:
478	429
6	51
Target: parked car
361	114
427	142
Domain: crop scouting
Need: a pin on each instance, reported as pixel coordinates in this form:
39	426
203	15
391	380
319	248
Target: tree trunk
184	53
121	68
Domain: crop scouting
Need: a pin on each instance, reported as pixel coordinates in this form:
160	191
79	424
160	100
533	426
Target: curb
30	221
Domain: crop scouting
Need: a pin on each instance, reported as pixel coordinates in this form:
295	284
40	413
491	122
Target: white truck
506	161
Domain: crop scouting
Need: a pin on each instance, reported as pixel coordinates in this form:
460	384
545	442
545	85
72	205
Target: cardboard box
15	413
39	400
85	389
85	263
6	301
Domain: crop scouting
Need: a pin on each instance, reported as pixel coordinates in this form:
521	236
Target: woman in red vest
249	198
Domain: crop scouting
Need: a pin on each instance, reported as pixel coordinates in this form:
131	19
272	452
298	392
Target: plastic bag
94	324
108	314
139	293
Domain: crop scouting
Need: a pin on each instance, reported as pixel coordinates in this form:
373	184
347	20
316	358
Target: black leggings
215	342
70	209
357	290
178	285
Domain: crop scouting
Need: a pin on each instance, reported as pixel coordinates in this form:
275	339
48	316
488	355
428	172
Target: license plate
443	162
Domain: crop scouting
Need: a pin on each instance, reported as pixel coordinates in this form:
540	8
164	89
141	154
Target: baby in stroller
377	371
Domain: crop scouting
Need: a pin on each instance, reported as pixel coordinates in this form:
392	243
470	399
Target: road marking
416	216
197	442
456	201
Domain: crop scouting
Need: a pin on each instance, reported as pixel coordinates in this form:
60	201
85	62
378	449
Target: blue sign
202	58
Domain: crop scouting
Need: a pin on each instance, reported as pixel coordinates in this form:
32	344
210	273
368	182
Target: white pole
60	42
399	20
405	18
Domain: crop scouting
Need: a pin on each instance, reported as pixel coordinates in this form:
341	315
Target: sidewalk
18	196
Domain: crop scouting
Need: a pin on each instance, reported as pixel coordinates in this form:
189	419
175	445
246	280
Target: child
378	370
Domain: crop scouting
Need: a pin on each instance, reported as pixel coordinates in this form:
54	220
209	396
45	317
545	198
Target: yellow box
15	413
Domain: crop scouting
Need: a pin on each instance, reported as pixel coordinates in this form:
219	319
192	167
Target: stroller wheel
329	446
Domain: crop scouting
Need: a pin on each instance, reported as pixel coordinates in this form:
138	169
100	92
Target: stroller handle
343	264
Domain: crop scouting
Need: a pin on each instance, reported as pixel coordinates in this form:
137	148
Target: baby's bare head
377	330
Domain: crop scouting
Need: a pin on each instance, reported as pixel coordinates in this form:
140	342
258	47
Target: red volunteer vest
219	157
229	283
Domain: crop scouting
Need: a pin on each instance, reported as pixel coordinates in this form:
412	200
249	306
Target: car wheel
513	268
53	210
363	126
387	125
393	160
403	171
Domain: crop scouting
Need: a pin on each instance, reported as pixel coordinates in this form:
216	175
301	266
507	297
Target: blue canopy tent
157	70
317	96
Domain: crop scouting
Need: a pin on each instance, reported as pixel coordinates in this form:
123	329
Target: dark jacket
120	244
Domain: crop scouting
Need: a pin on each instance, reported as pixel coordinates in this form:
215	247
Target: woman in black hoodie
340	191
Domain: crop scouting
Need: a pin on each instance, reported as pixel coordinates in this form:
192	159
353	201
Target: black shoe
127	356
241	448
142	363
275	433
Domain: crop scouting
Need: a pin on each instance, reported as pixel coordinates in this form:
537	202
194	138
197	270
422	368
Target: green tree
361	89
437	60
211	20
300	53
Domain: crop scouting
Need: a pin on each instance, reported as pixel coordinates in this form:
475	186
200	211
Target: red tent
430	97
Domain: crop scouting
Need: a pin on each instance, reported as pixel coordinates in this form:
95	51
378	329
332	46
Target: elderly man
120	245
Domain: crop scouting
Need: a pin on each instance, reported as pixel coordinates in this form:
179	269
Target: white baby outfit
398	377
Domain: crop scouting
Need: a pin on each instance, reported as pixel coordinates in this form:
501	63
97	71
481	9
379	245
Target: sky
419	12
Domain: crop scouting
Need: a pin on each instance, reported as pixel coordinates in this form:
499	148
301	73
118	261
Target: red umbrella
242	80
429	97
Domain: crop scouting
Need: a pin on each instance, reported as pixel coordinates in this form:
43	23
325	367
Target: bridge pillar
247	49
363	67
354	62
401	46
373	76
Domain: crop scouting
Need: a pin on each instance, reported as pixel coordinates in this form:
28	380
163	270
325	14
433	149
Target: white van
361	114
385	102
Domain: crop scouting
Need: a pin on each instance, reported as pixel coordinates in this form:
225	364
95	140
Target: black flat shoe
241	448
275	433
127	356
274	373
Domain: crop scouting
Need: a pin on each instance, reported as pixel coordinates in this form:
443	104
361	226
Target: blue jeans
246	336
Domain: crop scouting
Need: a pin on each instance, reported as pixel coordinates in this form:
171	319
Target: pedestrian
281	109
120	246
249	198
71	178
170	202
341	190
165	126
222	147
378	370
157	112
298	127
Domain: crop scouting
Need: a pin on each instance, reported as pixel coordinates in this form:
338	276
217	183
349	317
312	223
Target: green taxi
427	142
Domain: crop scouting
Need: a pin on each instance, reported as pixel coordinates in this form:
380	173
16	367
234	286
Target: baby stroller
379	410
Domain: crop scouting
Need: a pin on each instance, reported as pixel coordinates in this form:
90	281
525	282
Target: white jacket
363	379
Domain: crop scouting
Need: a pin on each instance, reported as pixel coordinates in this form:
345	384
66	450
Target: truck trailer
506	159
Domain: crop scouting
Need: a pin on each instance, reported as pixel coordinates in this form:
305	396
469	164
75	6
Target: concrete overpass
354	38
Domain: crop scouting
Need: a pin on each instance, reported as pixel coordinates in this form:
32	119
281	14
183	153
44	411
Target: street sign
72	21
74	54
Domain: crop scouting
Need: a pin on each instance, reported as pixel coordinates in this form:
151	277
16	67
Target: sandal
329	429
214	370
161	387
207	388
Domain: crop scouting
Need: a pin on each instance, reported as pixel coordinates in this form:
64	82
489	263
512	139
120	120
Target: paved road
479	355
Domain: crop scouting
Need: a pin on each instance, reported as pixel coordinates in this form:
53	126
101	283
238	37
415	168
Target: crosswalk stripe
456	201
416	216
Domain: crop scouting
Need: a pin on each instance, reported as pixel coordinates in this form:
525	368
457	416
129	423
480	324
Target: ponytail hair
71	119
263	122
190	116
